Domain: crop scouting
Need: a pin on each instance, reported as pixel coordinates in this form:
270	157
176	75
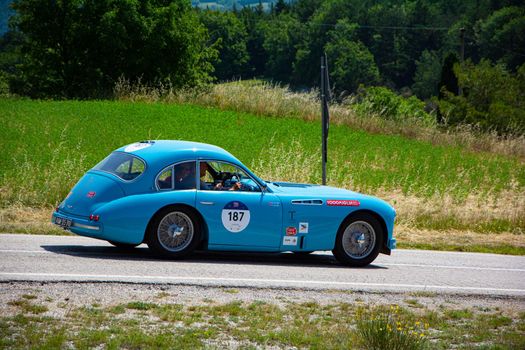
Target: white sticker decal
136	146
235	216
303	227
289	240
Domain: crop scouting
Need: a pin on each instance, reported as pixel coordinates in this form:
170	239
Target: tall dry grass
481	211
31	183
267	99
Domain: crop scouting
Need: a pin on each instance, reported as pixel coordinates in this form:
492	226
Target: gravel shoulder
59	297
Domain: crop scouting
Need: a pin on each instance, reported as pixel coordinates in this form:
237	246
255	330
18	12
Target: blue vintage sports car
179	196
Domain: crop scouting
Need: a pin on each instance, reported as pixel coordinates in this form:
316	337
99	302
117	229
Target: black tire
166	227
123	245
362	242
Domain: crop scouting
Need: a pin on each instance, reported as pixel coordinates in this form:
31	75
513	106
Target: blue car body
276	216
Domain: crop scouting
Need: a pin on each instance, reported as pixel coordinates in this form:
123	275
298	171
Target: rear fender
126	219
205	233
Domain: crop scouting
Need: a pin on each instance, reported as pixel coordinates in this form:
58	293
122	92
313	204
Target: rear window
124	165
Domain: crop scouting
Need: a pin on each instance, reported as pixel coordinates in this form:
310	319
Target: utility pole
461	53
325	114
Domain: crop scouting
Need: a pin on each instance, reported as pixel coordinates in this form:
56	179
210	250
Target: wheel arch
379	218
204	238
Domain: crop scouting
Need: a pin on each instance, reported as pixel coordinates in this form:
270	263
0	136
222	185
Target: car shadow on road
142	253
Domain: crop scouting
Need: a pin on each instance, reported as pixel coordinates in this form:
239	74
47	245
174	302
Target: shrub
385	330
492	100
387	104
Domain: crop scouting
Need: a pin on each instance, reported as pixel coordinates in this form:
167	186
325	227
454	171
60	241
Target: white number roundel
235	216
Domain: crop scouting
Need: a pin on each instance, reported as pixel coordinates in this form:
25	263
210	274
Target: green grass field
48	145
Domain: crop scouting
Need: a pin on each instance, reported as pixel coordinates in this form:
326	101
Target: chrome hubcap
175	231
359	239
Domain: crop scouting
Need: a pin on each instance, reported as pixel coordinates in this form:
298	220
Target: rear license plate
63	222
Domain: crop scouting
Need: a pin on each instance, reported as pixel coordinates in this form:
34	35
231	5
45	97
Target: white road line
24	251
455	267
251	280
478	268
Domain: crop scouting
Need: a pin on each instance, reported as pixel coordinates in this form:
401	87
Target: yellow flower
417	323
422	335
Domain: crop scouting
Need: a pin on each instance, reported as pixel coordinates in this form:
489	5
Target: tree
229	35
280	6
253	21
493	99
304	9
79	48
448	80
391	47
501	36
352	63
281	35
427	76
315	36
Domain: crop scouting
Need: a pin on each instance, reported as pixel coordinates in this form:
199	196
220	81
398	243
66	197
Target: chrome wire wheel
359	239
175	231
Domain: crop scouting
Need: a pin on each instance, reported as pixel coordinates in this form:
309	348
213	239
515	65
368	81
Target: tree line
79	49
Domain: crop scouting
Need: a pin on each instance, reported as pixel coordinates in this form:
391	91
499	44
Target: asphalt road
71	258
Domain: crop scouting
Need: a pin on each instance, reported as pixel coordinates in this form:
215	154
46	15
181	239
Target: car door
238	218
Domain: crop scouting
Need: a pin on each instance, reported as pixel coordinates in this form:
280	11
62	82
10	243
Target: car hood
311	194
313	190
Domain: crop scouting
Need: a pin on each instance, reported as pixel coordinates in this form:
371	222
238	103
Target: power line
496	46
362	26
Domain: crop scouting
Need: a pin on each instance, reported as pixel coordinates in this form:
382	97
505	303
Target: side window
185	178
165	179
137	167
180	176
124	165
220	176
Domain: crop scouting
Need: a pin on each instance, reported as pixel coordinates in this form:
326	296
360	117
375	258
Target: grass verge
259	324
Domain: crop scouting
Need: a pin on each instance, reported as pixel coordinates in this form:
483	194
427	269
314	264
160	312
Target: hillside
446	197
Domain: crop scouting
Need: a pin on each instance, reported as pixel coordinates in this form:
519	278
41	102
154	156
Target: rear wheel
174	232
123	245
359	240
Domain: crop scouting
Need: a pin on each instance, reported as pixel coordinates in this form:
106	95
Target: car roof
165	152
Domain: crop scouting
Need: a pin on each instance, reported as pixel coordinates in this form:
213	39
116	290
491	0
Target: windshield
123	165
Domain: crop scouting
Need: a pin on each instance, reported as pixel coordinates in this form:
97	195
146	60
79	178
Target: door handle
207	203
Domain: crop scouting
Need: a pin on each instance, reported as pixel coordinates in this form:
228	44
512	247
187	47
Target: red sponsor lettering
291	231
342	203
91	194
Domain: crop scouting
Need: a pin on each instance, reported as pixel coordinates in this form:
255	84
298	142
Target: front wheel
358	240
174	232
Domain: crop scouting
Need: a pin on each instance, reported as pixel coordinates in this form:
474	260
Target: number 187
236	215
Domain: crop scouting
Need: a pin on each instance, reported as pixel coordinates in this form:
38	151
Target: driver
204	167
236	186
